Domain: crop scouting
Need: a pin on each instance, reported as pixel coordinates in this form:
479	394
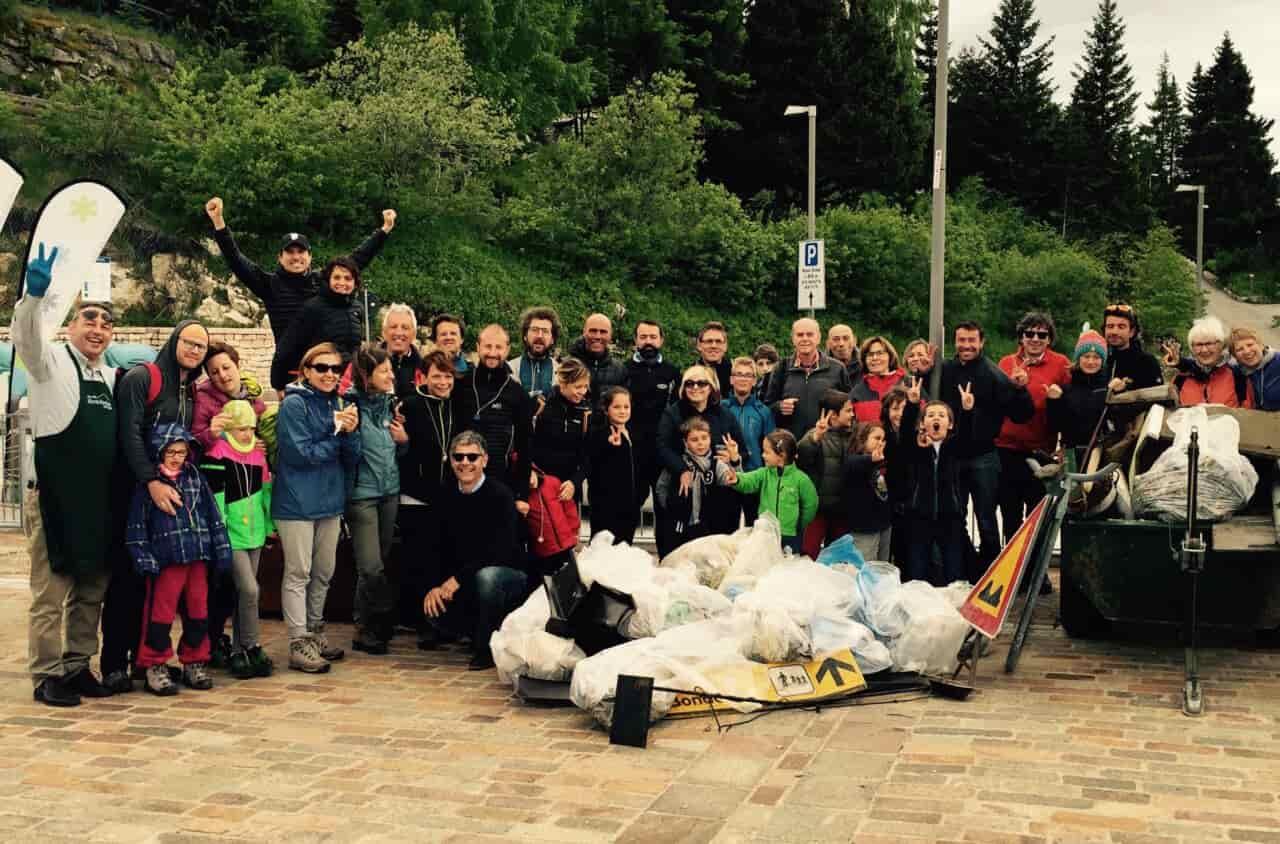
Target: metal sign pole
938	246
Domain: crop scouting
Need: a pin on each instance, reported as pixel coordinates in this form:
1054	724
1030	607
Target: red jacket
870	389
1035	435
1223	385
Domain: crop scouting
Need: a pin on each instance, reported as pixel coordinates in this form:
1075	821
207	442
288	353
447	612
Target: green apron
73	470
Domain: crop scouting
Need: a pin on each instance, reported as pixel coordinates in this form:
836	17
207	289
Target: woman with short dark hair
332	316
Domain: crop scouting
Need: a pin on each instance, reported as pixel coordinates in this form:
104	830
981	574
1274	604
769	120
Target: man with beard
492	402
399	329
1130	367
652	381
284	289
713	353
593	350
536	368
842	345
997	398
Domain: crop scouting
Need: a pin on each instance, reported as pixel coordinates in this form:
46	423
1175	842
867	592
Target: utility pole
938	244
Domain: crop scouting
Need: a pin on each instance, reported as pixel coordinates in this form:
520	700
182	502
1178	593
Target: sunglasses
323	368
1036	335
93	314
697	385
1118	309
459	457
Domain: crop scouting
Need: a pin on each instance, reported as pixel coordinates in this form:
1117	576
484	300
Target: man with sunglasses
1034	366
1129	367
67	508
477	570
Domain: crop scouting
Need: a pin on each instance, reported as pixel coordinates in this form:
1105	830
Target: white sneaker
303	656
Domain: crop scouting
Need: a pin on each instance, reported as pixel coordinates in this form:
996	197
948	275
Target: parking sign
812	273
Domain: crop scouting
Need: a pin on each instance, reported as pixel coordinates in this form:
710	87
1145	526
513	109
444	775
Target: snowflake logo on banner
84	209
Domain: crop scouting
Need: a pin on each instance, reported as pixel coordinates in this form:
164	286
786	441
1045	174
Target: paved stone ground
1084	743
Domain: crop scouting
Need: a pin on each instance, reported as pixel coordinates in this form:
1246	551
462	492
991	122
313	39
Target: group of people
158	488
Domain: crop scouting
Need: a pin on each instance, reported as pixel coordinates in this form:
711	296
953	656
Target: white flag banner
10	184
78	220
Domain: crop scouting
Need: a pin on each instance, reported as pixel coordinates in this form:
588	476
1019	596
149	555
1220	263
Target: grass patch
106	22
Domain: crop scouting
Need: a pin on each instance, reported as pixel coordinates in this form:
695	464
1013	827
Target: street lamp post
1200	206
812	111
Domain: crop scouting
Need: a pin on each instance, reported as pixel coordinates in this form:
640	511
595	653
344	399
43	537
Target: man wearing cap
284	290
68	507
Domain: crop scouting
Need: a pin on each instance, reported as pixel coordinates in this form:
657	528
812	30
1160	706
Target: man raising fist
292	282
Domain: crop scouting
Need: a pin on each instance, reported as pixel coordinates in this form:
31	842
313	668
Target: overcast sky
1188	31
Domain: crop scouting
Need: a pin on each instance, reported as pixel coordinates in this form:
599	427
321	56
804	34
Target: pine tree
927	66
1106	192
343	24
1005	110
1226	149
1162	136
625	40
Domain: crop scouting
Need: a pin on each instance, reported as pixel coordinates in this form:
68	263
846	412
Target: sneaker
219	651
481	661
330	653
260	662
239	665
52	691
86	684
366	641
160	682
118	681
196	676
303	656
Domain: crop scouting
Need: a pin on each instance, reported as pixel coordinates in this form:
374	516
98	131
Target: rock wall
42	50
255	345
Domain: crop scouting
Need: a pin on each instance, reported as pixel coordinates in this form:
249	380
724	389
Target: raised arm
28	340
250	274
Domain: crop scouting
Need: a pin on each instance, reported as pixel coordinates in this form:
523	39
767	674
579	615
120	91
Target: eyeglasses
1031	334
751	375
1207	344
697	385
192	344
323	368
467	457
93	314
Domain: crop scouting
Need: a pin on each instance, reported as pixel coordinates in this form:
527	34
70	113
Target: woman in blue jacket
318	453
375	499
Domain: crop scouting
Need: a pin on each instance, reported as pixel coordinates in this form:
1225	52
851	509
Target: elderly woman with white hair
1207	377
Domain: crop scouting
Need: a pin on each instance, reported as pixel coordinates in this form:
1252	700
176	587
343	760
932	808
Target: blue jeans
980	479
482	604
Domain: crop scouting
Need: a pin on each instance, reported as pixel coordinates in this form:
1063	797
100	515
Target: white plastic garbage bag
878	584
522	645
759	552
710	556
829	633
932	632
1227	479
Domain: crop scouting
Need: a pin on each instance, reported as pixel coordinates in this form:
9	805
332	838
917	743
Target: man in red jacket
1034	366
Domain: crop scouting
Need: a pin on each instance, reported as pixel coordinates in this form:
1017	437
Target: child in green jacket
236	469
784	490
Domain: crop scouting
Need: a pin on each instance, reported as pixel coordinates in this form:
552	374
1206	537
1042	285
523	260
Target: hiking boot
196	676
303	656
160	682
481	661
86	684
330	653
52	691
239	665
118	681
219	651
260	662
366	641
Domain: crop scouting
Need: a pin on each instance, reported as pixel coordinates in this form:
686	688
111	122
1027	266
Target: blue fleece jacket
1266	381
756	420
314	466
195	533
379	474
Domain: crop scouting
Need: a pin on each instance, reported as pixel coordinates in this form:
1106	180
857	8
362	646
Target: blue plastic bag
842	551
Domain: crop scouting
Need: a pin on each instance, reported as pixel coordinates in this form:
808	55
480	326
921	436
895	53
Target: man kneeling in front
478	561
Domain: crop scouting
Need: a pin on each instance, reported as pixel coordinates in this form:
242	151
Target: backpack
267	432
155	381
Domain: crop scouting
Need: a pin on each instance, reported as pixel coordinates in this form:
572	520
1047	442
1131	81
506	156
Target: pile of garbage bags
726	600
1227	479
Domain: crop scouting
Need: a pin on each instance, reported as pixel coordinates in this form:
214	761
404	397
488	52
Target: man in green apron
67	509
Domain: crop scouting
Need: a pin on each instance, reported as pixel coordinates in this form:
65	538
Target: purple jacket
209	403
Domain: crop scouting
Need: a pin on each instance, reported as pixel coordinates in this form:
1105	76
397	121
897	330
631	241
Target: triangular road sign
989	600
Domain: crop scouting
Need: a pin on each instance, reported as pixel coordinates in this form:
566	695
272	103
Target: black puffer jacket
605	371
1076	414
671	445
492	402
284	293
408	370
653	384
431	424
558	443
175	403
935	491
328	317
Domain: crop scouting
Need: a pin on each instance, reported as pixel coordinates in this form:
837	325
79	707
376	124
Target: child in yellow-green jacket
783	489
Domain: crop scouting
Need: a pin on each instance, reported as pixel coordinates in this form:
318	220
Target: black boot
52	691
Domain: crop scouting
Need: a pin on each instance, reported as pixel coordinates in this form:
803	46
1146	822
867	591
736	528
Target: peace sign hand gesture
966	396
1172	351
1019	374
914	388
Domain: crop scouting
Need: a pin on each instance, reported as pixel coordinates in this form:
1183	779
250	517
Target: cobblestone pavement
1084	743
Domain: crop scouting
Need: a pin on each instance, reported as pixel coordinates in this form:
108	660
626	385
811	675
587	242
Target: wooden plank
1253	532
